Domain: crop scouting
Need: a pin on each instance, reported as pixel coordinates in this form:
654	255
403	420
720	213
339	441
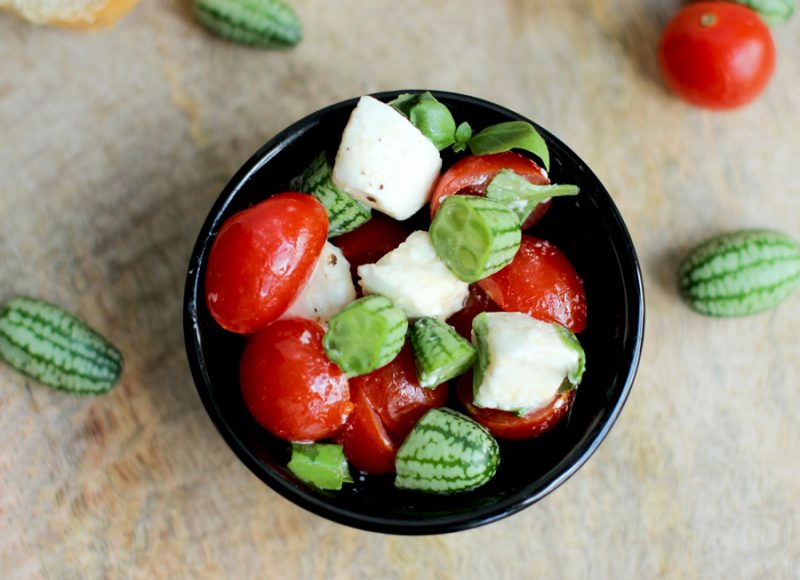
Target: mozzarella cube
329	288
415	279
385	161
524	361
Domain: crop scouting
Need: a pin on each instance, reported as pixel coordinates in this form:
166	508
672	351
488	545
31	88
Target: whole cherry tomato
261	258
395	394
471	175
718	55
364	439
289	385
368	243
477	301
505	425
541	283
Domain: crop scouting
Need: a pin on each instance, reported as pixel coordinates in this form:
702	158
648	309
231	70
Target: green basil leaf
434	120
520	195
510	135
463	133
771	11
403	103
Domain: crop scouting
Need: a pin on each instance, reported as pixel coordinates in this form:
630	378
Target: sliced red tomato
261	258
471	175
395	394
370	242
505	425
477	301
289	385
541	282
364	439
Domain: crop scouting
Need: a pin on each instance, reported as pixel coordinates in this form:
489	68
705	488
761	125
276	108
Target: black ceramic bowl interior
587	228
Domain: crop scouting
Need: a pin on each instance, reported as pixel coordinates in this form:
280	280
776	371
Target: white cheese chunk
528	361
385	161
415	279
329	288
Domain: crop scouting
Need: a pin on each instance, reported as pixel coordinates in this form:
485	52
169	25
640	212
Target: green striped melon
740	273
446	452
440	352
257	23
344	213
52	346
475	236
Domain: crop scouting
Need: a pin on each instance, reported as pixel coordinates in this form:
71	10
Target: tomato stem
708	19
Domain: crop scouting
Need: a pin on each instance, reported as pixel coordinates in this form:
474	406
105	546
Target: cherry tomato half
471	175
370	242
261	258
505	425
290	386
718	55
364	439
477	301
542	283
395	394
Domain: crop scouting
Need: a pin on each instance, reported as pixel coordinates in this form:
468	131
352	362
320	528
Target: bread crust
105	15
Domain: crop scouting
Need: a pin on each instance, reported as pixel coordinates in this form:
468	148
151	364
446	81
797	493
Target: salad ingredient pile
471	300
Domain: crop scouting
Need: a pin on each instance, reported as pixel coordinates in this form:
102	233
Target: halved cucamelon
520	195
344	213
740	273
475	236
365	335
52	346
439	351
322	465
446	452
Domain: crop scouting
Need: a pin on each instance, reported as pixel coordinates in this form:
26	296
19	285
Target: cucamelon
257	23
446	452
52	346
740	273
344	212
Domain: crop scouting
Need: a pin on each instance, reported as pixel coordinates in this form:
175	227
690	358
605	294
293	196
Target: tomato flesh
471	175
369	243
395	394
477	301
718	55
366	444
261	258
289	385
541	282
505	425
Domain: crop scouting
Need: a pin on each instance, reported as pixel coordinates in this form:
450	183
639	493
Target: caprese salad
357	323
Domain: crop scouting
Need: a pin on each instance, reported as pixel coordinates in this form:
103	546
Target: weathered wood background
114	146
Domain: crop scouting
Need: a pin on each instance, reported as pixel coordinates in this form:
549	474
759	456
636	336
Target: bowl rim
632	284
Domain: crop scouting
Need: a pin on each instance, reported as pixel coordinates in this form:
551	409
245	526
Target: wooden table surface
115	145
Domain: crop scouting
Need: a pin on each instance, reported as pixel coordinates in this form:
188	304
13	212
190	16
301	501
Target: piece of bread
71	13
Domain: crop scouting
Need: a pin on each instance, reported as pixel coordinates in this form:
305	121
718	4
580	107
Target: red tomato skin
477	301
261	258
541	283
369	243
289	385
509	426
717	55
471	175
366	444
394	392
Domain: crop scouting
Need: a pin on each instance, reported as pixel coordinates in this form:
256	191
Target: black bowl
587	228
